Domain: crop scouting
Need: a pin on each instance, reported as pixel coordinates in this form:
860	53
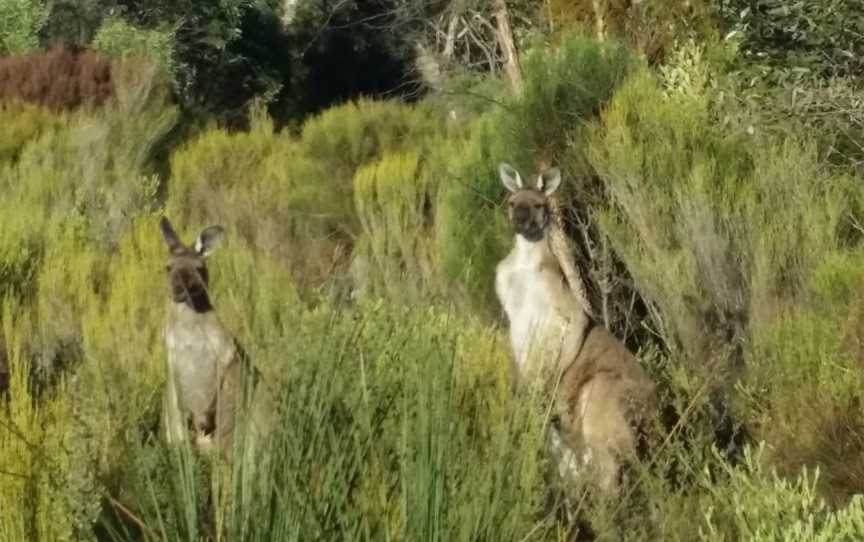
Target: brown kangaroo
602	394
210	379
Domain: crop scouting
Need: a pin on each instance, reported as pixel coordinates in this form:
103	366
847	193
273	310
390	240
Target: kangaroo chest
199	350
537	330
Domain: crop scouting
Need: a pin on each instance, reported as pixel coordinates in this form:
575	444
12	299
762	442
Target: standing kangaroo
209	376
601	392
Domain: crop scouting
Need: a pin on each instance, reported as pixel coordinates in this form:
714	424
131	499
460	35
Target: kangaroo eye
510	203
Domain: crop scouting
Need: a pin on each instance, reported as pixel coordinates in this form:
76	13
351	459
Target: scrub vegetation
712	161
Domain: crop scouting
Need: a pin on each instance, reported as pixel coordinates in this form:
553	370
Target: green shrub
20	23
292	197
86	171
394	204
692	214
763	506
119	39
47	489
23	123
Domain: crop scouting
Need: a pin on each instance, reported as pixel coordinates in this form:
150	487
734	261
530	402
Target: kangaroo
209	375
601	392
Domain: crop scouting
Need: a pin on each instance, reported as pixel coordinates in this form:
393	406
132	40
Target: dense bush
293	196
118	39
59	78
20	23
651	28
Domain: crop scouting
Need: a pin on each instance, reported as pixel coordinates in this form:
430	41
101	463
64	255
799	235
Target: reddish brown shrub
60	78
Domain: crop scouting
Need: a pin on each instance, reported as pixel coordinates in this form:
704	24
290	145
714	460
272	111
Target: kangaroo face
529	213
529	206
188	278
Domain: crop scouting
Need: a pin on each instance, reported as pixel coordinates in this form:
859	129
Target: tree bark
508	46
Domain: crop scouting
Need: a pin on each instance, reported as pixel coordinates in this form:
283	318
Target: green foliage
20	23
368	433
651	28
692	213
729	273
799	69
821	37
293	197
47	491
22	124
89	170
764	506
119	39
394	205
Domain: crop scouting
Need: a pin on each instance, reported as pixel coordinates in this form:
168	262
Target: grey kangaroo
601	392
210	378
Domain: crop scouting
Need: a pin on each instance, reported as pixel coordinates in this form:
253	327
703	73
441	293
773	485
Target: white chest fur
544	329
199	349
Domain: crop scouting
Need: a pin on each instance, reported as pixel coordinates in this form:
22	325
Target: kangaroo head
187	266
529	205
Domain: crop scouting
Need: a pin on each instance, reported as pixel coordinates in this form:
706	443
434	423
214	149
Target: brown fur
602	394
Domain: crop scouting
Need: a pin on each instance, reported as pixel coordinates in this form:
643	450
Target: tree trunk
508	46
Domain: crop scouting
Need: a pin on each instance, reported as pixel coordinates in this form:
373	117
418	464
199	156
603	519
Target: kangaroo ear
169	234
549	181
510	177
209	240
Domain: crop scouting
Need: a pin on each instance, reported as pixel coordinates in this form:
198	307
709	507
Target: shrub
763	506
292	197
394	205
47	490
20	23
89	169
650	28
117	38
676	182
23	123
387	401
60	79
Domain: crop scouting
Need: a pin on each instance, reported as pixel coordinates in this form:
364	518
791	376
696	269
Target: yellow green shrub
692	213
394	204
47	487
22	123
291	197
